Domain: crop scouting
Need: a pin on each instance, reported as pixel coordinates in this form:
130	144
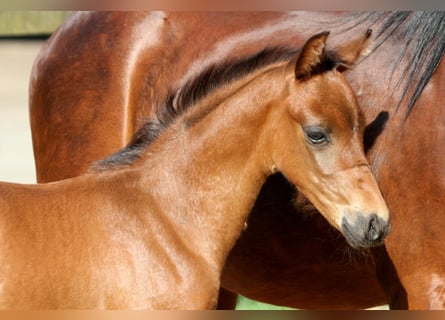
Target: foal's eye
316	135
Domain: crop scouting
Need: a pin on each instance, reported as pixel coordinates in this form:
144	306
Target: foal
151	226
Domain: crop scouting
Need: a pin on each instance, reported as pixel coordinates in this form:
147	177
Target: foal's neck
209	171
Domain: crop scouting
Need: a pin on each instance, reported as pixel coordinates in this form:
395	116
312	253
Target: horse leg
387	276
414	281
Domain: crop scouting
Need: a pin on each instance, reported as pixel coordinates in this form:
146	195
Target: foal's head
321	142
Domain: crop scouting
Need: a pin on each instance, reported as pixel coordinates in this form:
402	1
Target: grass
248	304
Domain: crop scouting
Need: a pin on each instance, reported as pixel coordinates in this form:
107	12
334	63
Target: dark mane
424	46
420	45
181	100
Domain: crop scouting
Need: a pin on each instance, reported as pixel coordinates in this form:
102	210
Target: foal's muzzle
366	231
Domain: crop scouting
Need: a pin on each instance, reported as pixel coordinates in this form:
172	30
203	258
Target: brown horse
143	231
102	74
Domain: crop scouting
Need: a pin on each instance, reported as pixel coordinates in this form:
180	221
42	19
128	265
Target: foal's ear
311	55
352	50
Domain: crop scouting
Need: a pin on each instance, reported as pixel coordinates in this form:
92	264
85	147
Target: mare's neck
210	173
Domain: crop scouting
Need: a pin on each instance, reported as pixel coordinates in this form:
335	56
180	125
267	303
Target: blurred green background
30	23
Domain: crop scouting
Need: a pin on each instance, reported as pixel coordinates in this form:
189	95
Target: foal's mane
181	100
184	98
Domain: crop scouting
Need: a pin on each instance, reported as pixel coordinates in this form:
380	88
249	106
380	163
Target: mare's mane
419	39
424	47
195	89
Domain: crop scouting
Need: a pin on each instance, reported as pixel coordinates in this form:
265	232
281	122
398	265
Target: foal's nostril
377	229
374	232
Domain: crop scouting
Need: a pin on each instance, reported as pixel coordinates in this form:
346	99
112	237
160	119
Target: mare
102	74
150	226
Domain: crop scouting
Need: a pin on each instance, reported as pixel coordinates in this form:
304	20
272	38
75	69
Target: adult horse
101	74
124	236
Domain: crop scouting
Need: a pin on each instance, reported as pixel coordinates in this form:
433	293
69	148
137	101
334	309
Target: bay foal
151	226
